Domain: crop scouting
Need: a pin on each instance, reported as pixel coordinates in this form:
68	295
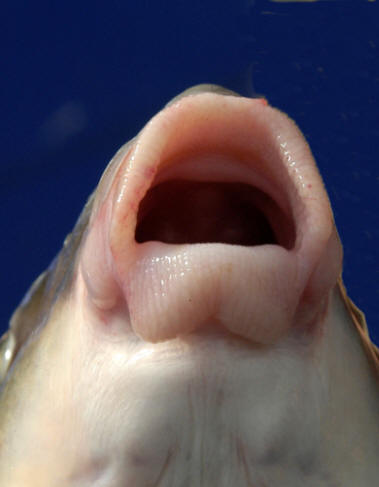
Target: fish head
194	328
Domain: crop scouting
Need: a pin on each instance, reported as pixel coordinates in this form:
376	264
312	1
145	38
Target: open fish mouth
215	192
206	197
216	209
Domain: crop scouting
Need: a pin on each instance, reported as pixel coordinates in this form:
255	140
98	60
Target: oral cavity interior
184	211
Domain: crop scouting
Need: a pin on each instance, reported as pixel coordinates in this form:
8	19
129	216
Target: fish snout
215	215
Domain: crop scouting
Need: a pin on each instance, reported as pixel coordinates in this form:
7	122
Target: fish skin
61	383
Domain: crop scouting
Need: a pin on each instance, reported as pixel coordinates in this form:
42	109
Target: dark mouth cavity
182	211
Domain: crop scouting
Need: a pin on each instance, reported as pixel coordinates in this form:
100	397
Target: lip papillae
196	164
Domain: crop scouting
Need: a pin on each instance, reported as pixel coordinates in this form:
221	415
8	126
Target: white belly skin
201	411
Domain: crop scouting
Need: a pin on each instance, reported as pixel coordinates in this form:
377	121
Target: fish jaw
170	289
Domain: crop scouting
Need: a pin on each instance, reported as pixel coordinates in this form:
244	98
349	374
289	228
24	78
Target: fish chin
210	395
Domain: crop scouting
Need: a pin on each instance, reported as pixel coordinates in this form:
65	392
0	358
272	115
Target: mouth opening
182	211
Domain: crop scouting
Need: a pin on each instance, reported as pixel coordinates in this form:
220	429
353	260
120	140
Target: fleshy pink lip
173	289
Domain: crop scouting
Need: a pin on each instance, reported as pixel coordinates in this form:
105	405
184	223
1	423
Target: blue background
80	78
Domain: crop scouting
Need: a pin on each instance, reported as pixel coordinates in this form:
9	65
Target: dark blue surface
80	78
